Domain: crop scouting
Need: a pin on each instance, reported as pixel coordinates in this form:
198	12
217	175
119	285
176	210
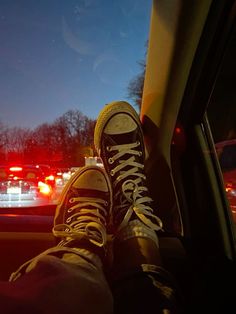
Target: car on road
93	161
226	151
23	186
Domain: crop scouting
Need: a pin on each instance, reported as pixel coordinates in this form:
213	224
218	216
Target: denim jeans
68	280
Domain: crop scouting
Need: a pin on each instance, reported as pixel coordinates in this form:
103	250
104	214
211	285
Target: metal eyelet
71	200
106	203
110	160
108	148
69	210
68	220
112	173
140	153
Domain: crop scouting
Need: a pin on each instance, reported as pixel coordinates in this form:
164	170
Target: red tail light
230	187
44	188
50	178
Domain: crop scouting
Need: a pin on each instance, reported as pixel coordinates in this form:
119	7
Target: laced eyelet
138	143
68	220
67	229
140	153
110	160
112	173
106	203
69	210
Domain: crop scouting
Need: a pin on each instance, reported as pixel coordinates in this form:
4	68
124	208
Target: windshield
60	62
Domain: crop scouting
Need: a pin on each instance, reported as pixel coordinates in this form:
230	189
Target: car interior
182	164
187	44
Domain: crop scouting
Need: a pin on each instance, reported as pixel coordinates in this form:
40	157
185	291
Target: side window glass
222	118
228	157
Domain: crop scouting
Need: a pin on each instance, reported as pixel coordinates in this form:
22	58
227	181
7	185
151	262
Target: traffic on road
34	185
31	185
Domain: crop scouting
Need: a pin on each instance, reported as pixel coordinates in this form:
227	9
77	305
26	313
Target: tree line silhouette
64	143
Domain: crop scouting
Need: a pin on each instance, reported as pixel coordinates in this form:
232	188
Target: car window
60	63
222	118
228	157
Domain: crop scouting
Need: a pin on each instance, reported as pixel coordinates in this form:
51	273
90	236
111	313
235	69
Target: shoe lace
87	219
132	189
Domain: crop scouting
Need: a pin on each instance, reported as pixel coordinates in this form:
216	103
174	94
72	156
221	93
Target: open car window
60	63
221	114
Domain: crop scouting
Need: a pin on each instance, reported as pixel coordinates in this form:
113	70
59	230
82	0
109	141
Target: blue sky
66	54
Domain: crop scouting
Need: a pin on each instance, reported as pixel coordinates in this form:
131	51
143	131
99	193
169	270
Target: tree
135	87
87	133
75	131
60	143
3	141
15	142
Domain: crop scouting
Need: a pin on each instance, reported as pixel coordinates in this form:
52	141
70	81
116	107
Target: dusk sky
57	55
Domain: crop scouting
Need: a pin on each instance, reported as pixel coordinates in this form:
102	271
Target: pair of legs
107	258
